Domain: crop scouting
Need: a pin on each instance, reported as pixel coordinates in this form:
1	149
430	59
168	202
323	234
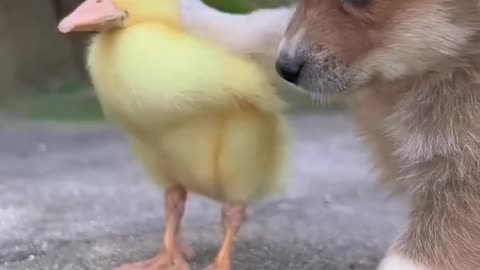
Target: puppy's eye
356	3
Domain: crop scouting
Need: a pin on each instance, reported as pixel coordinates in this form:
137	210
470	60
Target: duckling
201	118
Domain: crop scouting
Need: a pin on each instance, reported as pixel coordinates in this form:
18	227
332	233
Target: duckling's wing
183	71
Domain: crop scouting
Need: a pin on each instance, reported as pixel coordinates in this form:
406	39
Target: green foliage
234	6
243	6
67	106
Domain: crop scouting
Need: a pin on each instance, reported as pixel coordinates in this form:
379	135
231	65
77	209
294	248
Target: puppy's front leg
444	228
258	32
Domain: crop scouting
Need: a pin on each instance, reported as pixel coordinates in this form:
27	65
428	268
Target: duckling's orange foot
162	262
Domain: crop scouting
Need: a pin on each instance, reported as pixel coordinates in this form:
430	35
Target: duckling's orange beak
92	15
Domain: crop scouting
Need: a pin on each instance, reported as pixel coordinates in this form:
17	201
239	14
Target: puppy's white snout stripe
290	46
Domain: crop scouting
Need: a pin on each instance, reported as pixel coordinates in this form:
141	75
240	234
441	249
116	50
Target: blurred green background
242	6
42	72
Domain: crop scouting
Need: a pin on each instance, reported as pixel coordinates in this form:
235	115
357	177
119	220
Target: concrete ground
74	198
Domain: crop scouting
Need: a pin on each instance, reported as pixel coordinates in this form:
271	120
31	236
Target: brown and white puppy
410	71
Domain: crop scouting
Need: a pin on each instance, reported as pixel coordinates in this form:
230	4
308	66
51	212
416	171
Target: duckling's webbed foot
175	251
161	262
233	216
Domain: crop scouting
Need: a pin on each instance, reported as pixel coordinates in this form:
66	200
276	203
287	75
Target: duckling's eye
356	3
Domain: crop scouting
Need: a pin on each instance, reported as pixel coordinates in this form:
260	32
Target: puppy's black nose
288	68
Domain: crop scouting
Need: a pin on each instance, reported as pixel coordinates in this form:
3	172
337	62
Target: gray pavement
74	198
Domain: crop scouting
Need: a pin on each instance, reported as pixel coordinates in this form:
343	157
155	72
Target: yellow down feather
197	115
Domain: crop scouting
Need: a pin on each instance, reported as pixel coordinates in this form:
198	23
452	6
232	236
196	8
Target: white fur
290	46
396	262
257	32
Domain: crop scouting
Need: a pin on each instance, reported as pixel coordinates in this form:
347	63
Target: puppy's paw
397	262
189	4
198	17
193	8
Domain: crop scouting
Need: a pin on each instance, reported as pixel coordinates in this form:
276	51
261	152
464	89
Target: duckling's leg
172	258
233	216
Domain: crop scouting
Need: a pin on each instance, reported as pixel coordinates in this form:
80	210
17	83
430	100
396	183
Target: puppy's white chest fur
395	262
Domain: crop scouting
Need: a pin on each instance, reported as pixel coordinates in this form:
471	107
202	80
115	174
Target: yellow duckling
200	118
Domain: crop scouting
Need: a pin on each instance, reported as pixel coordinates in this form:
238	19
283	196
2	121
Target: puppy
410	72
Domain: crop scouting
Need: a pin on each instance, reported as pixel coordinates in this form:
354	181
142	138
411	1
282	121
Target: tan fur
409	70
